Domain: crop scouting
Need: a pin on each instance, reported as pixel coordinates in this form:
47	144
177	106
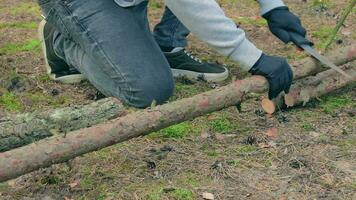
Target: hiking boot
185	64
56	67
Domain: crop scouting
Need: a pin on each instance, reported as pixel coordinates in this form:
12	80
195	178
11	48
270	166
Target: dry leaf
74	184
211	117
204	135
272	132
220	137
264	145
208	196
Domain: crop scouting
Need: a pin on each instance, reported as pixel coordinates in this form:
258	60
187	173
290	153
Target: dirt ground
313	155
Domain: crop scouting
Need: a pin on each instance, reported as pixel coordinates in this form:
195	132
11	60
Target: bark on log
309	88
58	149
315	86
19	130
16	131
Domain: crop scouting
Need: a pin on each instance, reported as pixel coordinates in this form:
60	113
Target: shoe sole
209	77
69	79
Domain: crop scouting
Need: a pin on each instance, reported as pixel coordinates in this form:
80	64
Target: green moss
221	124
176	131
24	25
10	102
182	90
182	194
332	103
11	48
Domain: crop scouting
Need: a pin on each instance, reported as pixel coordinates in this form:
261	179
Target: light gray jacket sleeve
267	5
206	20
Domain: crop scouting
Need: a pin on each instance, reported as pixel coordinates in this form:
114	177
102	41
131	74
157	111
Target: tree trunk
58	149
19	130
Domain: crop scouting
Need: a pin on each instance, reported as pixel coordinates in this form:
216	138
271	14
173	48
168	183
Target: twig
340	23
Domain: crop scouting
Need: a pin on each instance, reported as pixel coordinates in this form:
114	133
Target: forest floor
313	156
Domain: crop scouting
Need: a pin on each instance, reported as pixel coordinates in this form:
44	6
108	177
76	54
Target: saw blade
324	60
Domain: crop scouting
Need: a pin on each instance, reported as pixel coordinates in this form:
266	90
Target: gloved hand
277	71
281	22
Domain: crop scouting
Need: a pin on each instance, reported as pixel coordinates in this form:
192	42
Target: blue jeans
114	47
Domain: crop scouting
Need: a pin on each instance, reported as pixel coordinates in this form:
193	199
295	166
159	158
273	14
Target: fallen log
309	88
16	131
23	129
58	149
315	86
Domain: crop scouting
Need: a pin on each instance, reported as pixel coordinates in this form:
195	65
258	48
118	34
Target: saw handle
299	40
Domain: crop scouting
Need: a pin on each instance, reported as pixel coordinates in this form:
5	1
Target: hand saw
306	45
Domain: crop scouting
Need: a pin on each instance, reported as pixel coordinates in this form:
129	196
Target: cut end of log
268	106
289	100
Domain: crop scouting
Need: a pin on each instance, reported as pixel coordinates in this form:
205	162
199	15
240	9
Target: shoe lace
193	57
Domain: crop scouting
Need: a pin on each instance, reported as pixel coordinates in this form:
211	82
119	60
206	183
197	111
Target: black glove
277	71
281	22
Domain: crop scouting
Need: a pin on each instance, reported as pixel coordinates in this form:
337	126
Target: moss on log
19	130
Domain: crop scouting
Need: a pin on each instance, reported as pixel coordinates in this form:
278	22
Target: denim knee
142	95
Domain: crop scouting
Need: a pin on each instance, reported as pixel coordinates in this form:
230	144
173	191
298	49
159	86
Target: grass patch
323	35
45	99
26	8
221	124
24	25
44	78
308	127
322	4
245	149
182	194
11	48
212	153
332	103
251	21
155	194
10	102
347	145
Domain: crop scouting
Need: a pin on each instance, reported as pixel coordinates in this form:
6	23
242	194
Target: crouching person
109	42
